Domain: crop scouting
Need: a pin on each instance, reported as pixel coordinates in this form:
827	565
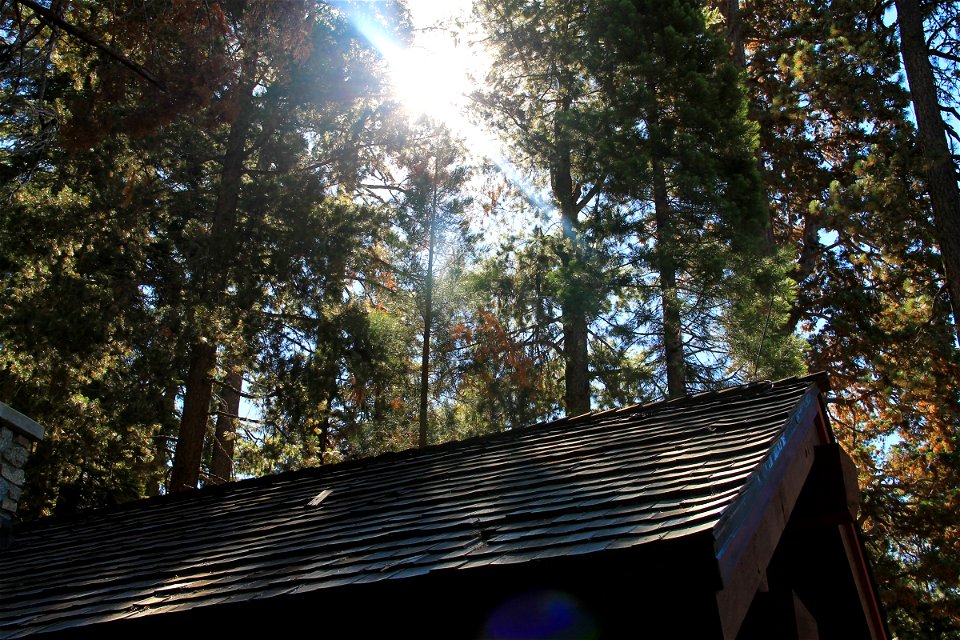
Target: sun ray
435	76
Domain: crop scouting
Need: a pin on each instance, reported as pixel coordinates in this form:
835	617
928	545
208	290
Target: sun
431	79
435	76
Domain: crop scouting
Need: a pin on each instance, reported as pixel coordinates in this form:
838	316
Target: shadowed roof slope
607	480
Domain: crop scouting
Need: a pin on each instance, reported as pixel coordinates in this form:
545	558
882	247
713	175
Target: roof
20	423
610	480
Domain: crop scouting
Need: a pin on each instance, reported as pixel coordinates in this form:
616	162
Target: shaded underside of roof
609	480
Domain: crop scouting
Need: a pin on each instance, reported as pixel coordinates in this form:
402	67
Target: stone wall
17	435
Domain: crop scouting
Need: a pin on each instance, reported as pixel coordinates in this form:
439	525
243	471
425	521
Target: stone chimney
17	435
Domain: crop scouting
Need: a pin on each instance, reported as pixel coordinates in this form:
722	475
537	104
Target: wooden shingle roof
586	485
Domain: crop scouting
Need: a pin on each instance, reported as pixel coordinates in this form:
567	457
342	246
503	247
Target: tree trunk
670	299
427	320
329	375
379	403
212	281
159	482
573	315
576	374
324	435
730	10
940	171
221	462
193	421
806	263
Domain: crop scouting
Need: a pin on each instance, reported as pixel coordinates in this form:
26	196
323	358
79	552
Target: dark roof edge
758	489
20	423
217	490
748	532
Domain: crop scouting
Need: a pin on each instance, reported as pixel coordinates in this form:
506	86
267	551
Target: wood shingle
701	474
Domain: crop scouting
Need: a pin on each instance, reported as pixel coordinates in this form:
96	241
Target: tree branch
46	15
943	54
590	194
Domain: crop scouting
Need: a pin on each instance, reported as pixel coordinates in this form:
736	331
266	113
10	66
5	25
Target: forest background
215	205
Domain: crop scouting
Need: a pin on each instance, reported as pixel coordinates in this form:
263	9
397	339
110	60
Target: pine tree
690	173
838	166
221	192
940	167
539	96
431	214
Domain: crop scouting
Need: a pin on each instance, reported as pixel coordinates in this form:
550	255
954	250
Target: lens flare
539	615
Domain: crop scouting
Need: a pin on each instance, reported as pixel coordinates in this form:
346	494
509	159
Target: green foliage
837	145
124	265
82	341
667	75
512	365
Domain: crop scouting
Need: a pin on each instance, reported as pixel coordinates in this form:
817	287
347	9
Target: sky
434	76
437	54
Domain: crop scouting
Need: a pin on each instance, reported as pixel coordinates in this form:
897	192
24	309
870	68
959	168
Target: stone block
6	438
23	441
5	489
8	505
11	473
14	492
17	455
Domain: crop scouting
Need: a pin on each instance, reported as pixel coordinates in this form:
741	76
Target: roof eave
747	534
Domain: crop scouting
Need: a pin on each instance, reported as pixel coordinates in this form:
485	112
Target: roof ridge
213	491
819	377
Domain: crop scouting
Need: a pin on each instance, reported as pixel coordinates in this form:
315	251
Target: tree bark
193	420
730	10
221	462
670	300
941	175
573	315
329	375
212	281
428	319
576	374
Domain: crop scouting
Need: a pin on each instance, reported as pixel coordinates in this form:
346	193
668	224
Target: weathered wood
748	536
